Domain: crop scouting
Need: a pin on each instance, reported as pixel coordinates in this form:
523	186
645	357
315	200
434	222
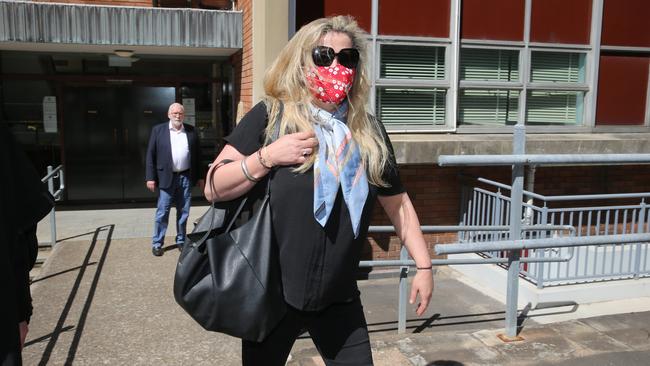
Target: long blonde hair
285	81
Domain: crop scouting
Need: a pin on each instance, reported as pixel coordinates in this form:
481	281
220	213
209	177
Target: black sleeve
248	136
391	172
199	170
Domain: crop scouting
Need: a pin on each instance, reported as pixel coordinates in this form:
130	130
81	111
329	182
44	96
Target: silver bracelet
248	175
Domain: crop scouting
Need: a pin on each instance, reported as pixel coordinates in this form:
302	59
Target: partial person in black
329	165
24	201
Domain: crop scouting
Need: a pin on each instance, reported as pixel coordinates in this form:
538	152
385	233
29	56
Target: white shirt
180	148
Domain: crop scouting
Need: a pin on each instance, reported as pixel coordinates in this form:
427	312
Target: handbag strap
212	211
274	136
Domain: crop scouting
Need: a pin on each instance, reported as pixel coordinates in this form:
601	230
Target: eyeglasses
324	56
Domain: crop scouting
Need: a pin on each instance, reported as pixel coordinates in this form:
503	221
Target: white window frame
489	85
417	83
557	86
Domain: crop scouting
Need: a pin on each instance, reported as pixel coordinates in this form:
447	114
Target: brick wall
242	61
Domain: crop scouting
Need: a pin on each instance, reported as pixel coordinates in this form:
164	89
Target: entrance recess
106	131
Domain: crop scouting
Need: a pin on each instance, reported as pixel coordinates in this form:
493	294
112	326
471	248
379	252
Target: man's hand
201	184
151	185
24	328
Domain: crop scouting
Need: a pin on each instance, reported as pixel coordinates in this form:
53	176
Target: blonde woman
331	161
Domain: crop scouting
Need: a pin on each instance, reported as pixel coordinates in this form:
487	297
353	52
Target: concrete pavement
102	298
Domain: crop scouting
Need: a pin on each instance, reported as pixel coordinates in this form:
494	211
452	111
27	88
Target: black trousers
339	332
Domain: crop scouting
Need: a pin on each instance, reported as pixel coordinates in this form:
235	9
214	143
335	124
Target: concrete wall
270	35
265	32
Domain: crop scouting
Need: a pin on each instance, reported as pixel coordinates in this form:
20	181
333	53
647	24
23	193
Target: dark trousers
339	332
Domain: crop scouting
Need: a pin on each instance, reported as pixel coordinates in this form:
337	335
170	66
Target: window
412	86
556	88
489	64
412	62
488	107
490	84
490	87
411	107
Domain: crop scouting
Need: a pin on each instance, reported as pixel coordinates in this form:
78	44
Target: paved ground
102	298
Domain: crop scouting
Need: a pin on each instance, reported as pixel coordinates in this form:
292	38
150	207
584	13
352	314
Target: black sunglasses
324	56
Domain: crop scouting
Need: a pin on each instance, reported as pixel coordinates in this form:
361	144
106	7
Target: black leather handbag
229	279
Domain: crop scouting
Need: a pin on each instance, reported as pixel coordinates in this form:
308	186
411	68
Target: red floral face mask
330	84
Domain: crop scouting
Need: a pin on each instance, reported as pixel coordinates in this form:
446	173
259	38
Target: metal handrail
404	263
541	159
58	194
519	159
458	248
580	197
49	178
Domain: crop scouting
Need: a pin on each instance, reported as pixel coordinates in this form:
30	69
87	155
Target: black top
318	264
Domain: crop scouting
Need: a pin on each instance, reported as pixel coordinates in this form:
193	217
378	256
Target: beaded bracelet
262	160
248	175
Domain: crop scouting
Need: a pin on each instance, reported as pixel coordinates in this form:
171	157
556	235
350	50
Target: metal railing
404	263
604	262
566	243
52	175
518	161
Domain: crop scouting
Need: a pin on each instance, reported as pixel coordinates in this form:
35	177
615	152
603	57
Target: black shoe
157	251
180	246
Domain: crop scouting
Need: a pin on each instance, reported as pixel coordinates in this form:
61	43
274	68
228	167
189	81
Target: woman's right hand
292	149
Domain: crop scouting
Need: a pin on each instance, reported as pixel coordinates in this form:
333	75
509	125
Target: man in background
173	165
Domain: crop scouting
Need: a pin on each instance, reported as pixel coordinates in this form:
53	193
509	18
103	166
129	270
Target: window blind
415	107
412	62
554	107
489	64
488	107
566	67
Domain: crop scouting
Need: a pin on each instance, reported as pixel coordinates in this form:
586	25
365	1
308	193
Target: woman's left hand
422	284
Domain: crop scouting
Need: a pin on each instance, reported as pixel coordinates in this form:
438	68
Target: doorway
106	131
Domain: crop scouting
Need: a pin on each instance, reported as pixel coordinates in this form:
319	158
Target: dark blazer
159	166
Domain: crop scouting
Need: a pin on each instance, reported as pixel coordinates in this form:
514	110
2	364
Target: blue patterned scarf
338	162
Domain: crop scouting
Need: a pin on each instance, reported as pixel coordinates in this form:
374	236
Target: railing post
403	292
640	224
540	265
50	187
464	208
516	202
496	214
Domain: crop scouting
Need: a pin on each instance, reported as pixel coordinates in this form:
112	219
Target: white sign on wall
49	114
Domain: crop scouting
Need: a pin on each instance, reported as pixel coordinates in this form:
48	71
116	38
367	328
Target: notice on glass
190	111
190	120
49	114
